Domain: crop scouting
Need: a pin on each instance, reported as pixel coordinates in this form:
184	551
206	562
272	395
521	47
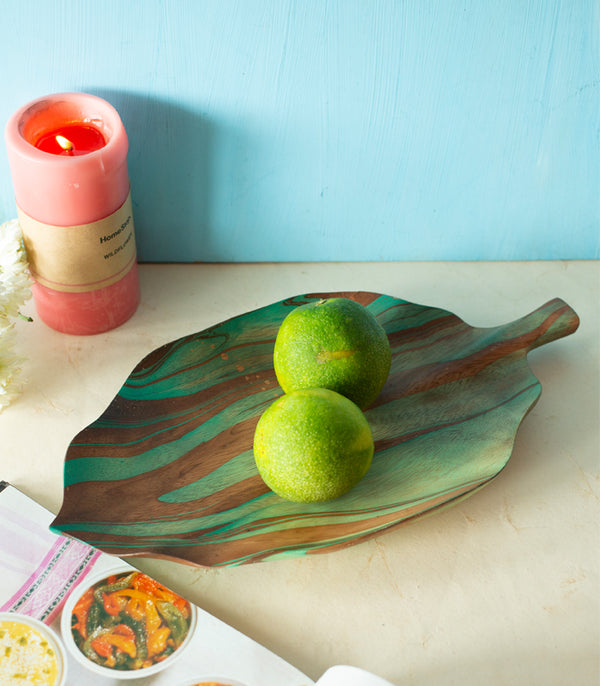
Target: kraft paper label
86	257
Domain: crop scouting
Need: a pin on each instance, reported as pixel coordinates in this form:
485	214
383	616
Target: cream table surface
503	588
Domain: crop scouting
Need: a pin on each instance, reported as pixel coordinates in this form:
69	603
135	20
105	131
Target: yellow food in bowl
27	655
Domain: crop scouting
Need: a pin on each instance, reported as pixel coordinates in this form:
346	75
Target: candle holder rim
15	124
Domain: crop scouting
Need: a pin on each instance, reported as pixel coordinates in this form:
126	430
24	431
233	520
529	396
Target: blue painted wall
277	130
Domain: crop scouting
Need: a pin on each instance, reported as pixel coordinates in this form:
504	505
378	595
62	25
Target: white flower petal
15	290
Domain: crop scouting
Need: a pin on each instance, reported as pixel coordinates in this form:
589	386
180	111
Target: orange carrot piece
102	646
81	610
124	630
112	604
142	582
125	645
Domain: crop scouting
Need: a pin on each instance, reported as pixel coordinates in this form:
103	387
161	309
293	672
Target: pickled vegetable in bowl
128	621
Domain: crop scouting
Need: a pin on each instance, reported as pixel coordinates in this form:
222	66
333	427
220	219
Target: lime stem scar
329	355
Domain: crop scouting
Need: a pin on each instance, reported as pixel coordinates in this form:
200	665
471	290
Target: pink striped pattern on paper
65	565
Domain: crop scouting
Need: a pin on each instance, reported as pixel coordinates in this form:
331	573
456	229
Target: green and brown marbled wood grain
168	469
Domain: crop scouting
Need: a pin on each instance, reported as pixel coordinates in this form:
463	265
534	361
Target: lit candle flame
64	143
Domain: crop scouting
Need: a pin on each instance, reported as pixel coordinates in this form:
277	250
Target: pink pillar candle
74	206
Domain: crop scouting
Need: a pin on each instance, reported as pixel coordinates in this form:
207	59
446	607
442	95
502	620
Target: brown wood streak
407	382
416	333
186	413
385	444
154	359
458	495
256	547
185	370
228	498
85	499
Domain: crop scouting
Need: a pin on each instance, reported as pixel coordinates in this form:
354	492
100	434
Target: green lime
312	445
334	343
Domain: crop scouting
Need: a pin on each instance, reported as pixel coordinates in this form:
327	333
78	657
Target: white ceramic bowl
45	632
72	647
346	675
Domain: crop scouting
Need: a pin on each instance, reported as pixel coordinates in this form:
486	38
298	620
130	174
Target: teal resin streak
168	469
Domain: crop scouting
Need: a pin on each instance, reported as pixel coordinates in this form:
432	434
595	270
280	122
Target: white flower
15	290
15	282
10	366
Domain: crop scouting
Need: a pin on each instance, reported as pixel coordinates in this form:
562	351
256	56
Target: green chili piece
94	619
87	649
139	629
122	660
175	620
119	585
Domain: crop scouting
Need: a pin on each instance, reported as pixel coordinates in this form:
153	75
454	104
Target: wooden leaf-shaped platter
168	469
